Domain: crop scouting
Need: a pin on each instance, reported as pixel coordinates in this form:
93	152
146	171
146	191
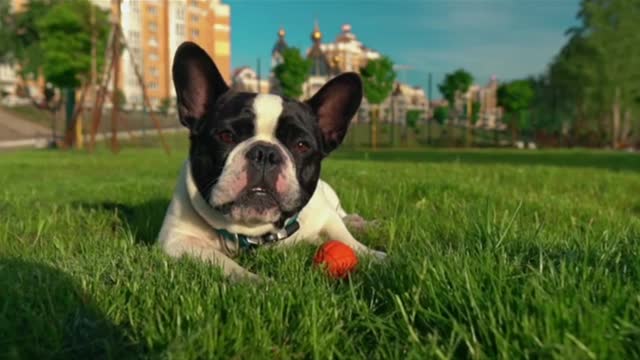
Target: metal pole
116	80
259	77
430	118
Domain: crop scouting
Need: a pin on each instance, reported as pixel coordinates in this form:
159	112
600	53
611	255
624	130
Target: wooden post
69	133
79	138
145	98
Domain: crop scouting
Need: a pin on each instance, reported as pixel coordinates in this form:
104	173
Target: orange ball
338	258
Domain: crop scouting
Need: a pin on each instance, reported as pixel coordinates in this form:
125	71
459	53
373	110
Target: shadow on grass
44	314
584	159
144	219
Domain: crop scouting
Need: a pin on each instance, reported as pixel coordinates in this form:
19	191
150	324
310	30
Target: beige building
246	79
487	96
347	53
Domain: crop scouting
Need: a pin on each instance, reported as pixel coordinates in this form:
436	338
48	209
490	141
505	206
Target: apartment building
155	28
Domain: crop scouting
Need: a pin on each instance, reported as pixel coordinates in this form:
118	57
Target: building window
180	29
152	10
195	18
153	71
153	42
153	27
222	48
152	85
153	56
134	35
180	13
195	33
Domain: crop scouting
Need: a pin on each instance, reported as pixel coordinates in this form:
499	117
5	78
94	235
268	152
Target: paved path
14	128
40	142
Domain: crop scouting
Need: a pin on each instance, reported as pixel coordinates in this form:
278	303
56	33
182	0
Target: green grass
492	254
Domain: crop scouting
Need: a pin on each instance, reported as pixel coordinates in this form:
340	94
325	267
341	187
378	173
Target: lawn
492	254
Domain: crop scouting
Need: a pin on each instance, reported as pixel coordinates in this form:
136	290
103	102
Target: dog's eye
226	137
302	147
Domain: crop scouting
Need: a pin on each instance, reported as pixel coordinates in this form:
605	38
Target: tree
65	42
441	114
25	42
412	118
453	85
612	29
5	29
292	72
475	112
378	78
515	97
593	82
122	99
165	106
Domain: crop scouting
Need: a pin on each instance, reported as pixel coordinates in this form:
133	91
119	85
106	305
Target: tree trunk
615	120
70	105
393	132
404	137
450	128
626	128
374	127
468	135
514	131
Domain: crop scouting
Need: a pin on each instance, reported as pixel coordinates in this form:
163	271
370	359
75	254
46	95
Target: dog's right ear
197	81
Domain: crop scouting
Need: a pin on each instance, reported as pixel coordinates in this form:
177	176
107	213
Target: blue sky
506	38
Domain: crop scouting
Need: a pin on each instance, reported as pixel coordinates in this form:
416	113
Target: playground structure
110	73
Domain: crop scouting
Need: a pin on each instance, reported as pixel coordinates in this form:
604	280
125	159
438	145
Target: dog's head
255	158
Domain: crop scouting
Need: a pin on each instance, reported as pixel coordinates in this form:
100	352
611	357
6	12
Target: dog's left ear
335	104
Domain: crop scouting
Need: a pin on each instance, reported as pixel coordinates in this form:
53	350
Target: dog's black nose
264	156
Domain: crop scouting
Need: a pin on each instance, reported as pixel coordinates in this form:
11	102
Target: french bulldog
252	176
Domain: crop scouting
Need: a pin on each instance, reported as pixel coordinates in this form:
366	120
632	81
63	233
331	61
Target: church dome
281	44
319	64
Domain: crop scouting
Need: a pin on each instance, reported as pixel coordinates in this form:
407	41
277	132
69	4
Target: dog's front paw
247	278
378	255
358	223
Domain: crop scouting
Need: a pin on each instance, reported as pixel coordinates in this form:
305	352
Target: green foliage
6	28
122	99
515	96
165	106
595	73
66	41
441	114
378	78
25	41
475	112
412	118
455	83
292	72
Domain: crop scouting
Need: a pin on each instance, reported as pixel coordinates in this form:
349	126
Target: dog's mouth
259	198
